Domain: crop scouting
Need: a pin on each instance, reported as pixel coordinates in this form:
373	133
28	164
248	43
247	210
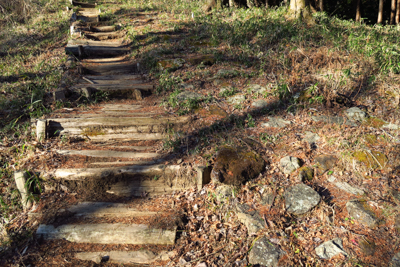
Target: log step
100	210
83	4
105	35
109	68
94	82
116	77
108	153
97	48
115	87
142	256
105	28
104	233
80	174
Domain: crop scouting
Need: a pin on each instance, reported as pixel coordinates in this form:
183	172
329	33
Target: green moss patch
372	159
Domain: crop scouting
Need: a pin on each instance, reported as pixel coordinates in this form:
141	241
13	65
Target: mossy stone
372	159
235	166
306	173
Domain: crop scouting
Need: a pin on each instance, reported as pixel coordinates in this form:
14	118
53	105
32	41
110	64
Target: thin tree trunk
392	12
380	12
398	12
358	11
321	5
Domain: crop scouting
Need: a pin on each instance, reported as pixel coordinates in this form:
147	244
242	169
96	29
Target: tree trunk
380	12
358	11
392	12
301	9
321	5
398	12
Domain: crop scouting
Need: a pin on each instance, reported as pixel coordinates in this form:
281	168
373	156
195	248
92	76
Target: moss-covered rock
171	64
207	60
372	159
306	173
235	166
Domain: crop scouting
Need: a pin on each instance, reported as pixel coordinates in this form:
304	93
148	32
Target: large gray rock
300	199
360	211
276	122
188	95
345	186
236	99
249	217
289	164
356	114
260	104
334	119
396	260
330	248
224	73
311	137
256	89
264	253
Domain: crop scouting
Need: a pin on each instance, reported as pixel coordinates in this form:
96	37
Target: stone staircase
114	156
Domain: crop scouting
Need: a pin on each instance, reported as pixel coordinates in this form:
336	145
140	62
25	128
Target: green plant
229	91
250	121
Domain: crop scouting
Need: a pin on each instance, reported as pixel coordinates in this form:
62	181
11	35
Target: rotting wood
120	107
105	60
142	256
108	153
125	163
114	43
41	130
115	122
105	35
20	180
88	18
138	94
117	77
112	82
96	173
113	87
104	233
82	4
119	137
105	28
99	51
107	69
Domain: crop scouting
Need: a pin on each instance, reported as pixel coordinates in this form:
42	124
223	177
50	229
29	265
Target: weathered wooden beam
105	28
111	82
20	180
142	256
82	4
114	87
41	130
108	153
105	60
116	77
105	35
97	173
98	51
104	233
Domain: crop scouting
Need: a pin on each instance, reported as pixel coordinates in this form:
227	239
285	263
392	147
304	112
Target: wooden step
142	256
100	210
97	48
104	233
105	60
97	173
109	82
115	87
111	28
108	153
105	35
84	11
88	18
116	77
83	4
109	68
